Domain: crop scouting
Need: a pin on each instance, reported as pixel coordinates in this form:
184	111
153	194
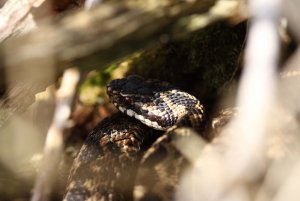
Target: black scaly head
155	103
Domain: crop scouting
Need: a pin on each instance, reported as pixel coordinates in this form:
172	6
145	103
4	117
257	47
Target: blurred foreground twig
237	160
54	141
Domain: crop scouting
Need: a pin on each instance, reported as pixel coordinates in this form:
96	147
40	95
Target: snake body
107	164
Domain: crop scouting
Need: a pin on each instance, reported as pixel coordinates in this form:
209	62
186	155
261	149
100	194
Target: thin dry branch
237	159
54	141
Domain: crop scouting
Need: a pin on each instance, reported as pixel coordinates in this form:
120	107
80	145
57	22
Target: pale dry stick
244	159
257	91
282	178
237	159
54	141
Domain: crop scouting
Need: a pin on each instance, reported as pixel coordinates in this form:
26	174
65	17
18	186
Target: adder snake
107	164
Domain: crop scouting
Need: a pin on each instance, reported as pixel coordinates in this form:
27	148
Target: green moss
93	88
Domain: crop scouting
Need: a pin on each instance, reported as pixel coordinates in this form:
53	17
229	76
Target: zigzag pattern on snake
107	164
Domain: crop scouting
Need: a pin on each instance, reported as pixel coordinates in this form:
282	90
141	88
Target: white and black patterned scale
157	104
106	165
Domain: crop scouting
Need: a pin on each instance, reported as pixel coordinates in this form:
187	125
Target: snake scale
126	157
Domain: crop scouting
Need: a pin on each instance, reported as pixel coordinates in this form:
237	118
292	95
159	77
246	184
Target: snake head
155	103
